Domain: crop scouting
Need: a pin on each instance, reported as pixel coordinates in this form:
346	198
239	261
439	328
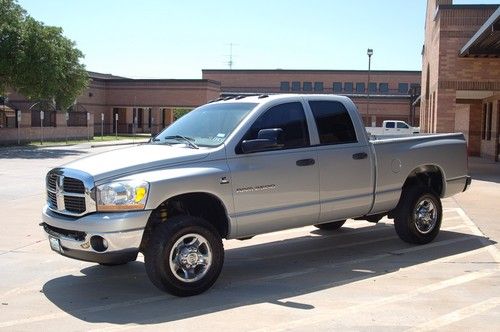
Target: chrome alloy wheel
425	216
190	257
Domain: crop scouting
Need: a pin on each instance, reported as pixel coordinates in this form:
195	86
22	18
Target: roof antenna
230	62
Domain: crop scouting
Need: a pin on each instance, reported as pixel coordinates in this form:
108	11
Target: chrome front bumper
80	238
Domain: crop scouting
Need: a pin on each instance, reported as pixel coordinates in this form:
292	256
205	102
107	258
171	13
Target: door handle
358	156
305	162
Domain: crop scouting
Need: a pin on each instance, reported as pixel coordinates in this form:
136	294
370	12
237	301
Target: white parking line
329	315
457	315
476	231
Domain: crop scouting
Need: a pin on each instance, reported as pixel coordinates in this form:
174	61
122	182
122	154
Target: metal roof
486	41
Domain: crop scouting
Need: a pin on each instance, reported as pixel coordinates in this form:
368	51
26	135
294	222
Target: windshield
208	125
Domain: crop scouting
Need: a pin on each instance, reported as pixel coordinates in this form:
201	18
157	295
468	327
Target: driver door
276	189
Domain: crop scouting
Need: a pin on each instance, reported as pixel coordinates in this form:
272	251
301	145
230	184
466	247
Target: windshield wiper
188	140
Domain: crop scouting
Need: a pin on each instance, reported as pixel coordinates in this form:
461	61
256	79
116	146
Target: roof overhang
486	41
474	94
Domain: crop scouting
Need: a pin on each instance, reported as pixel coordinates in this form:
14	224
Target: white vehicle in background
393	127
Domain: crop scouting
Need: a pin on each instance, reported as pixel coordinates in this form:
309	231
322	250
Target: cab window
333	122
290	118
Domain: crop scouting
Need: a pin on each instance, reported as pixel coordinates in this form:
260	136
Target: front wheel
184	256
419	215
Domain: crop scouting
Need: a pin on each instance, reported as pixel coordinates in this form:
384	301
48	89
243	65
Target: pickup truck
393	127
242	166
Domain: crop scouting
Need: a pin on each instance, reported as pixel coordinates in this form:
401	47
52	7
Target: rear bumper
102	238
468	181
457	185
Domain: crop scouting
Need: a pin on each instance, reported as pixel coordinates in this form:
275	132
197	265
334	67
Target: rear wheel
184	256
330	226
419	215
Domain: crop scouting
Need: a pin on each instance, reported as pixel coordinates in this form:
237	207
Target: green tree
37	60
180	112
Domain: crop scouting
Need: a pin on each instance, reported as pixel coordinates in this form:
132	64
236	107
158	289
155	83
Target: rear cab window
333	122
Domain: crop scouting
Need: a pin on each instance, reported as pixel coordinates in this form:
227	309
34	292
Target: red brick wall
231	80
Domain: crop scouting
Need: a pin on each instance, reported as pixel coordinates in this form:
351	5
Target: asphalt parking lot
361	277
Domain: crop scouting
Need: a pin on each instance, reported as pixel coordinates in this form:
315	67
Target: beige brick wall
444	73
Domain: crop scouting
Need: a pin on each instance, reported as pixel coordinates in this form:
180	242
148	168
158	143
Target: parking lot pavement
361	277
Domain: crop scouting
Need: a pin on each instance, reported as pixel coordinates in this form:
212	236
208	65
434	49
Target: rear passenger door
345	167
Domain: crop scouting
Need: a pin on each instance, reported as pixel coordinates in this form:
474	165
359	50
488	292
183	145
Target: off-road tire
405	219
157	255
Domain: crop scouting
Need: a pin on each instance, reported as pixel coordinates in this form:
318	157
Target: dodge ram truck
242	166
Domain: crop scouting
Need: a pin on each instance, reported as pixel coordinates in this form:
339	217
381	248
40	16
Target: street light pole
369	52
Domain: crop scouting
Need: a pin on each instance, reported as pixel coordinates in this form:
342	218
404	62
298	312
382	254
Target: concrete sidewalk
482	201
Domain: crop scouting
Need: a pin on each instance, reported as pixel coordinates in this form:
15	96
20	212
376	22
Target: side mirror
267	139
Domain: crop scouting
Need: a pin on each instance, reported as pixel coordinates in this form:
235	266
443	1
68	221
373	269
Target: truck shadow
252	274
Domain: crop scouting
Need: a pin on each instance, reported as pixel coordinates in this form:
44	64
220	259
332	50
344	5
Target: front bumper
83	238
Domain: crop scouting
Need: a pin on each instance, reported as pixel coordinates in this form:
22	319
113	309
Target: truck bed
396	157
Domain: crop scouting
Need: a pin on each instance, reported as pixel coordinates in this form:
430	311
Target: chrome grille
69	192
74	204
52	199
51	182
71	185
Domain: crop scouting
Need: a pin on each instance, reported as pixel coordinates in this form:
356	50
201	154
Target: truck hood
130	160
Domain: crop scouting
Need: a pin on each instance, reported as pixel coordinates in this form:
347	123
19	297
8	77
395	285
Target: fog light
98	243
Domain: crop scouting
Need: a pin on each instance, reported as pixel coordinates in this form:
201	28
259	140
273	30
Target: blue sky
176	39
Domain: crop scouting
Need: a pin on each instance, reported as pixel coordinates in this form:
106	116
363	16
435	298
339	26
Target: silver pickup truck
243	166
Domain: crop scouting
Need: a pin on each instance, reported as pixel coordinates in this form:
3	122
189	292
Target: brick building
142	106
461	74
147	105
388	95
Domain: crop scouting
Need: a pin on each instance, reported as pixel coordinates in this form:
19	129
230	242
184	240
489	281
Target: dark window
389	125
150	117
285	86
488	129
318	86
402	125
49	118
77	119
295	86
348	87
360	87
333	122
372	87
289	117
307	86
403	88
384	87
483	131
337	87
140	115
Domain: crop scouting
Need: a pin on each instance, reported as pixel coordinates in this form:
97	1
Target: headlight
122	195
